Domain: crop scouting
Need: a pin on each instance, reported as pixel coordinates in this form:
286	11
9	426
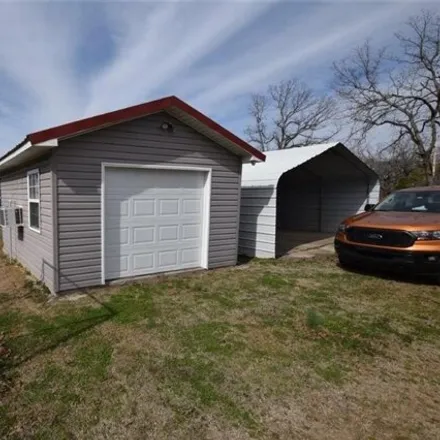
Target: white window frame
30	173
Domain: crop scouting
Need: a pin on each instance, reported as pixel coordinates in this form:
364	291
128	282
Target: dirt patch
18	289
12	278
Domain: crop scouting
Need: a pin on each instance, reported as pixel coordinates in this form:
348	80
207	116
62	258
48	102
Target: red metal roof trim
137	111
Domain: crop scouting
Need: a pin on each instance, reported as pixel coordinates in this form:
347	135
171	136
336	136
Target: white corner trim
206	203
206	218
103	165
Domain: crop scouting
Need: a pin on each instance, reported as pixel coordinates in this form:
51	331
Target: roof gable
48	138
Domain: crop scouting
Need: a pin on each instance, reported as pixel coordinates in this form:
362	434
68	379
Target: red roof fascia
76	127
218	128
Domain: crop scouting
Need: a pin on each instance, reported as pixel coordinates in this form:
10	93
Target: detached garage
147	189
300	195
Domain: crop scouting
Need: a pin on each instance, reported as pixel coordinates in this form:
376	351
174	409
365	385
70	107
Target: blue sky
67	60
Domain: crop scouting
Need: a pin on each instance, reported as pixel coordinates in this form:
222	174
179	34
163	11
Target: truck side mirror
369	207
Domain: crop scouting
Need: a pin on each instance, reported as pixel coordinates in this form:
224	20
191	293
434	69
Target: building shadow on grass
242	260
46	335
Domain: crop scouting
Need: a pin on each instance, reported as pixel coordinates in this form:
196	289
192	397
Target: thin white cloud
36	45
165	44
211	53
321	37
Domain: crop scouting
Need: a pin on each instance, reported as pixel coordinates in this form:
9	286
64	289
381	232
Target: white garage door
153	221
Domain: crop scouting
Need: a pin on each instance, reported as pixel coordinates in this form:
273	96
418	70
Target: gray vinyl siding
77	163
34	250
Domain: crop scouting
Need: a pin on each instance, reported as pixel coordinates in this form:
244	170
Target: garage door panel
124	193
125	248
156	178
154	221
191	231
171	193
143	261
168	207
191	206
143	235
168	232
143	207
155	247
167	259
190	255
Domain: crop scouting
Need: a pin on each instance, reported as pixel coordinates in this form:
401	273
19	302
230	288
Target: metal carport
300	194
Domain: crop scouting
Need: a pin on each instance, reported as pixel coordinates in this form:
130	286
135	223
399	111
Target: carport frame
206	203
257	232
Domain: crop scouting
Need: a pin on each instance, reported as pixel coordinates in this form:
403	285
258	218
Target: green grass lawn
275	349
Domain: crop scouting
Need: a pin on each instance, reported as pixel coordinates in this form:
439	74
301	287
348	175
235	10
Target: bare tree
396	165
401	91
290	115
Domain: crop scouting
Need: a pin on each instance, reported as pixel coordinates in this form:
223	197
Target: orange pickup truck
401	232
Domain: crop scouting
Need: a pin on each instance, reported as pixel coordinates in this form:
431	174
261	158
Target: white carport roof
279	161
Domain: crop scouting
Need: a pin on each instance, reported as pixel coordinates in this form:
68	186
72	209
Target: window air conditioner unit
4	217
19	216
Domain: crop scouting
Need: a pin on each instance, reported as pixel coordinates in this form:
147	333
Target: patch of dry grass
277	349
